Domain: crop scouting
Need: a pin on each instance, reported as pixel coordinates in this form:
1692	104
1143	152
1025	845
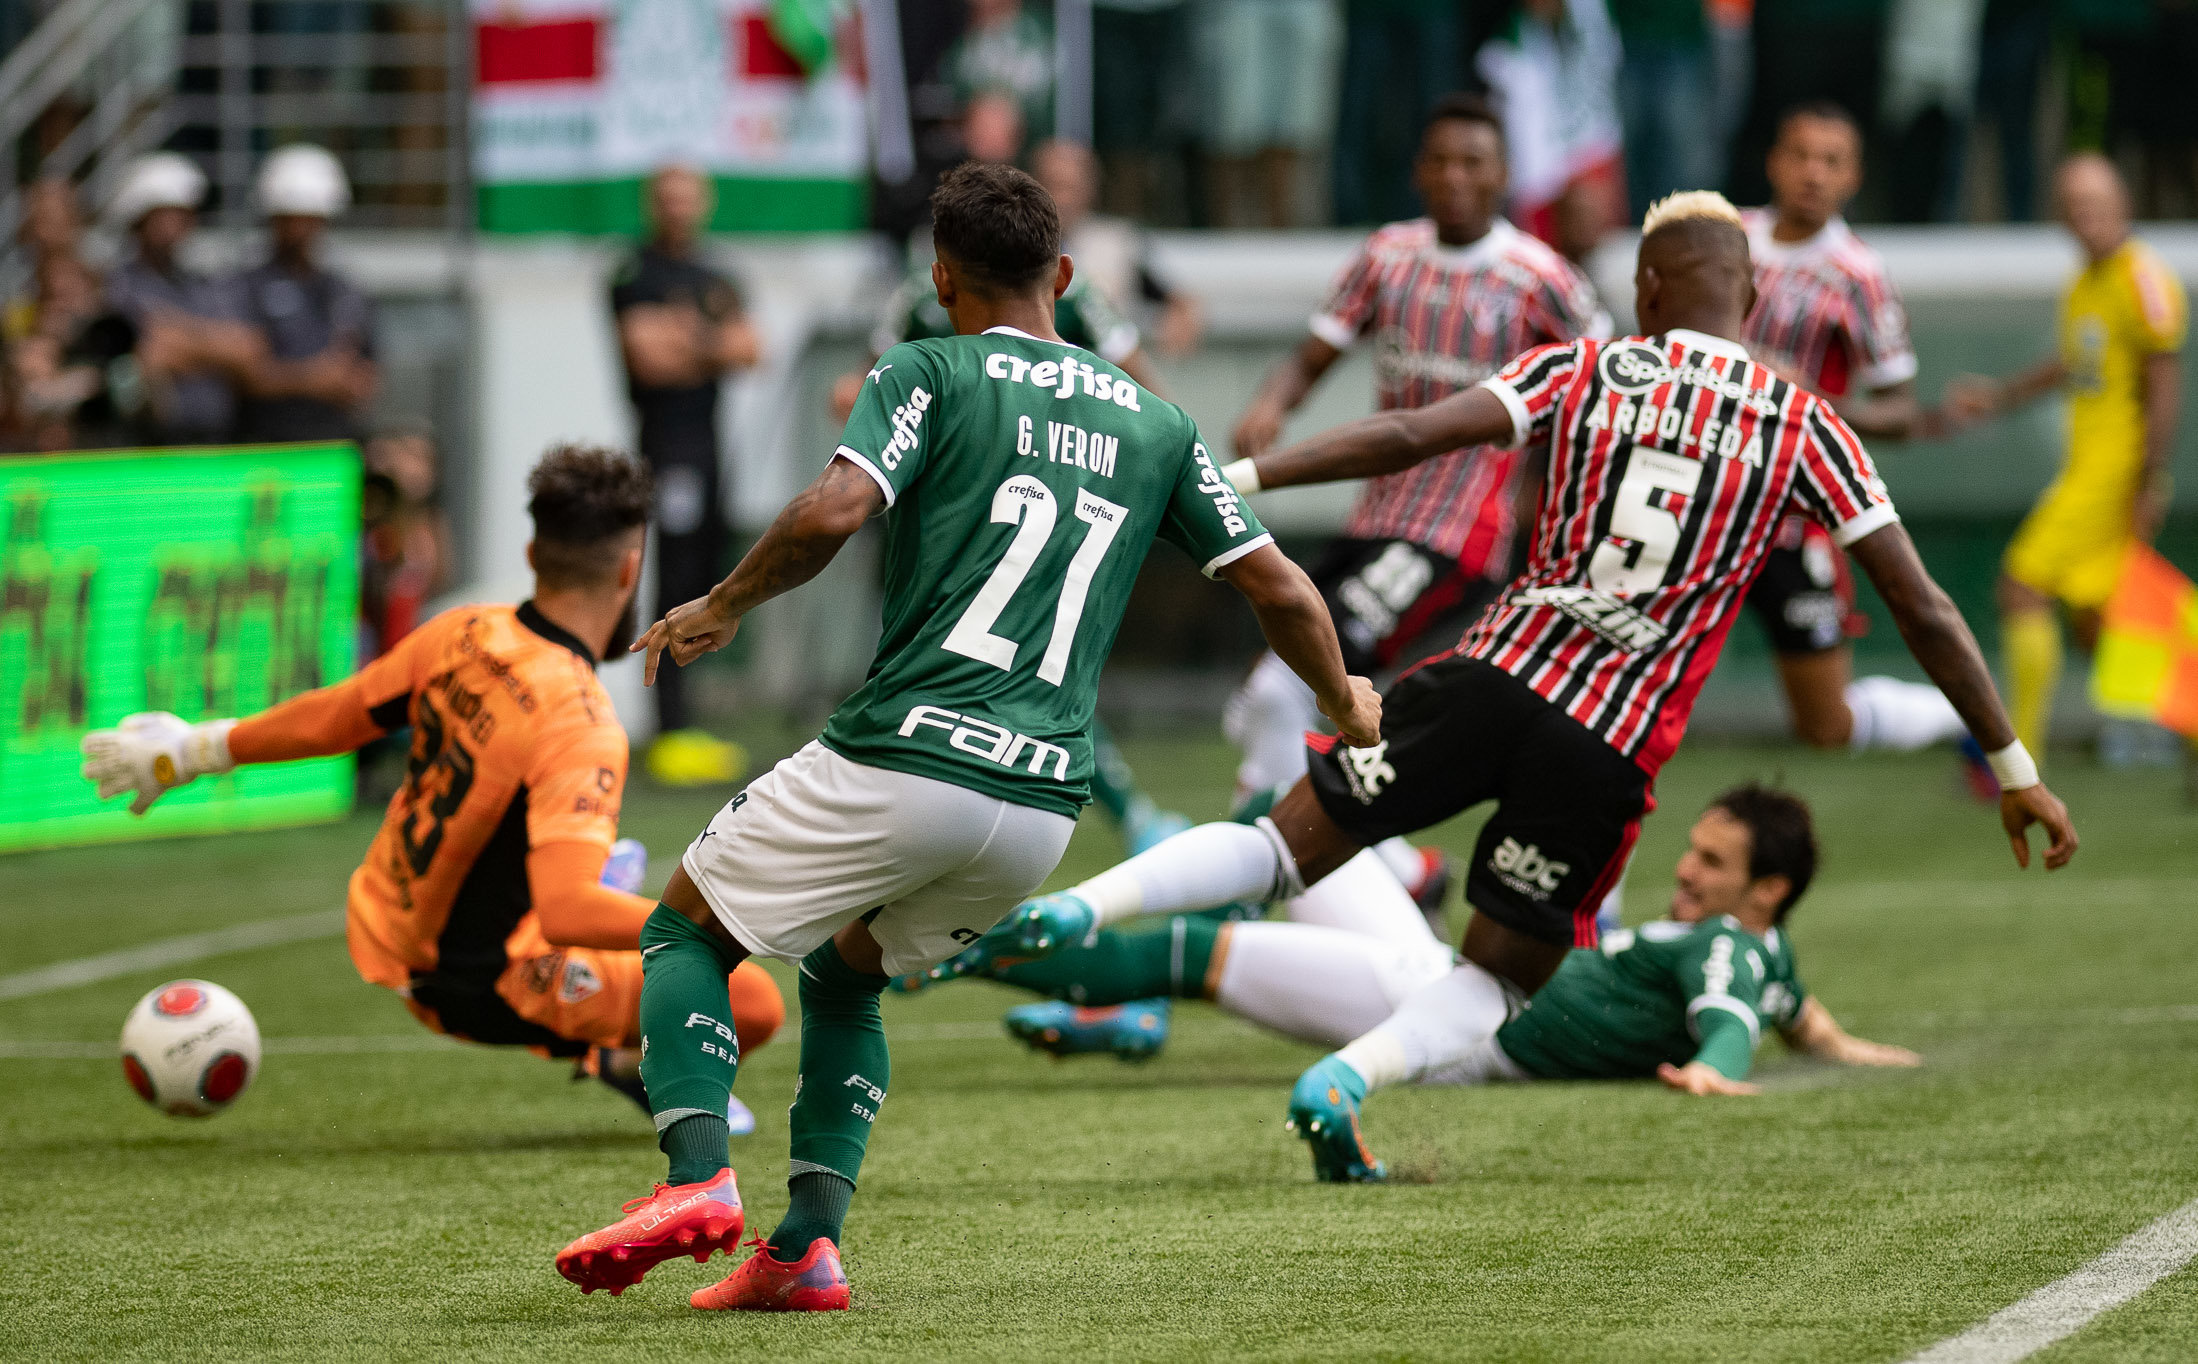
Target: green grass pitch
405	1204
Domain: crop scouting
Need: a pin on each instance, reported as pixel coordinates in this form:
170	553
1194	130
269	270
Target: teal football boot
1032	929
1132	1032
1324	1111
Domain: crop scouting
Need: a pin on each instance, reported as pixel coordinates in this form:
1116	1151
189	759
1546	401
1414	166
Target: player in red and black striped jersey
1828	317
1446	299
1670	459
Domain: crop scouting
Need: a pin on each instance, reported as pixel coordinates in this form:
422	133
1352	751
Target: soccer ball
189	1048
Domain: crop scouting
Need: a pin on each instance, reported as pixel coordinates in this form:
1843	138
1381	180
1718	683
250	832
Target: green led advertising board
207	583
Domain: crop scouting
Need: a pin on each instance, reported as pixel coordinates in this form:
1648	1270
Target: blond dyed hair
1694	205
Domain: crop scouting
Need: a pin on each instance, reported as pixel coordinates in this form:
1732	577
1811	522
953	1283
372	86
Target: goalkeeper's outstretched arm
153	752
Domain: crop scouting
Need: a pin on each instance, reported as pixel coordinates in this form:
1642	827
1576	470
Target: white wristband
1243	475
206	750
2014	766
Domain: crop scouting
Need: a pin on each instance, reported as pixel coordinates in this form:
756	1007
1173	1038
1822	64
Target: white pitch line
2067	1304
167	952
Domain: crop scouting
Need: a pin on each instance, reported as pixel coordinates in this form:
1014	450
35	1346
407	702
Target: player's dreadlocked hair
1693	205
998	224
581	496
1781	837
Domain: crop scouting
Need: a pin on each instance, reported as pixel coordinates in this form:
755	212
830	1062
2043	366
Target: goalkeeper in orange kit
481	899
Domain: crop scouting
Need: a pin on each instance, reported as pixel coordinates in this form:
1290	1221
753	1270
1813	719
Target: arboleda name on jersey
994	743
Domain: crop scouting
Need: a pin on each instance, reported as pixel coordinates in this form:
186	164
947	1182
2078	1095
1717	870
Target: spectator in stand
49	381
2017	38
1141	95
1267	69
1114	253
1929	91
1732	74
183	327
407	548
681	330
992	128
1666	100
1005	51
316	372
1399	58
1552	73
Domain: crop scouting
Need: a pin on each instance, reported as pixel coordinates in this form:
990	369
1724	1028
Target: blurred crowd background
259	220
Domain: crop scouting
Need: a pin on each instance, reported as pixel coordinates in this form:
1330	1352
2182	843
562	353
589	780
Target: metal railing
382	83
111	65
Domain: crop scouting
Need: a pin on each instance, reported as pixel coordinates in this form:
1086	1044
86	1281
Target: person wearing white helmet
181	325
316	372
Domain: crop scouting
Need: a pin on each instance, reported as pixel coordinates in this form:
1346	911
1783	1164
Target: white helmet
304	180
161	180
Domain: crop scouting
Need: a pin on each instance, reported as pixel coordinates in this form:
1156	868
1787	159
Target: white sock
1902	716
1439	1024
1267	717
1200	868
1405	860
1318	984
1364	897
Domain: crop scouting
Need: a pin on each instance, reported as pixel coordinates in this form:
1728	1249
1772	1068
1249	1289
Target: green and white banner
209	584
576	101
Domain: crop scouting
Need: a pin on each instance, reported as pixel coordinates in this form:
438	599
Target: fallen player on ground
1683	999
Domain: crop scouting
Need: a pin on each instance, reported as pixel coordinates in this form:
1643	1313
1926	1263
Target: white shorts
1486	1064
819	841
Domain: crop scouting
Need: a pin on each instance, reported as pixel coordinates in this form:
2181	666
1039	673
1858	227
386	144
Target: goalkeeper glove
152	751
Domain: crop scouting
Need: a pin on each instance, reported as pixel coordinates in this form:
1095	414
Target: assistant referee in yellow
2121	337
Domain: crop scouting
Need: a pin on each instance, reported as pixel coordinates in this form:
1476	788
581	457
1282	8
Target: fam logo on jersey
1631	367
1224	494
1367	771
994	743
1526	870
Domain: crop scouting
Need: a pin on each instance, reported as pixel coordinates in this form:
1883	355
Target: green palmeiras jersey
1024	481
1665	991
1082	315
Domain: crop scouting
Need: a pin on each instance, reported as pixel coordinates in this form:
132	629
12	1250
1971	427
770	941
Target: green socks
844	1073
1123	966
817	1211
689	1053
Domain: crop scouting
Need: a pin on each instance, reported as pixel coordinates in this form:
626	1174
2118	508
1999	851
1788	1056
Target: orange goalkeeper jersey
514	745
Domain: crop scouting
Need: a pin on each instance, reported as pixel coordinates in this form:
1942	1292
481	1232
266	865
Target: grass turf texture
388	1205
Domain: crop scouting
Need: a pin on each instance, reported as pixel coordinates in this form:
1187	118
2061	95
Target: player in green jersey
1021	481
1684	998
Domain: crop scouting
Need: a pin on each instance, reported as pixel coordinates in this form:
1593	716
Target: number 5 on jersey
1029	506
1645	520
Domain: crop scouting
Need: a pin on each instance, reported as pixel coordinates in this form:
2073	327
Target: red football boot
813	1283
673	1220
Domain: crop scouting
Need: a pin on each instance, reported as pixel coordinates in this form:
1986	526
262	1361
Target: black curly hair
582	497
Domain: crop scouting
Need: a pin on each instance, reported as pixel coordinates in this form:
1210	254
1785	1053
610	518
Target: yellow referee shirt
2116	314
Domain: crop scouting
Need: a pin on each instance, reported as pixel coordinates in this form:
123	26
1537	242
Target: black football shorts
1459	731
